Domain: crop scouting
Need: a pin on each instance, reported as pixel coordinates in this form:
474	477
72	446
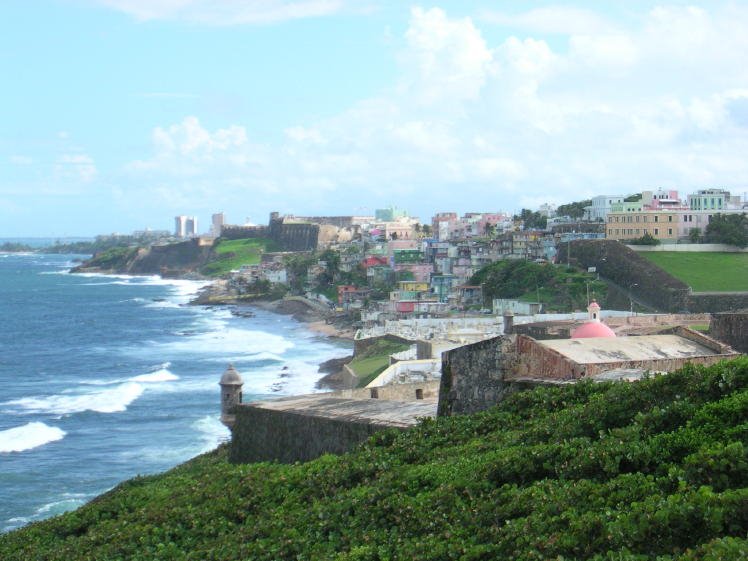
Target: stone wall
360	345
297	237
731	328
396	392
630	271
538	361
233	232
262	435
290	237
717	301
473	376
690	247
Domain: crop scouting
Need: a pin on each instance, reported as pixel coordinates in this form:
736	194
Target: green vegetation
626	472
646	239
558	287
102	243
114	258
704	272
232	254
14	247
731	229
374	360
532	220
573	210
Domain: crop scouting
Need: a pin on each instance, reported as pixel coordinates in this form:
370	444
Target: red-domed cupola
593	328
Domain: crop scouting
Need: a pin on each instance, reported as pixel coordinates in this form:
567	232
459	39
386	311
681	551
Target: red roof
592	329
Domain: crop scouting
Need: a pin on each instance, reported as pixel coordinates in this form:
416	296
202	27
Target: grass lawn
232	254
374	360
704	272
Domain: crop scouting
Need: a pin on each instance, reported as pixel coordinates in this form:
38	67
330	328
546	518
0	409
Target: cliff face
176	259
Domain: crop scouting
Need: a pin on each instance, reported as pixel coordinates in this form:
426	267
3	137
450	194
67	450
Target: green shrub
653	470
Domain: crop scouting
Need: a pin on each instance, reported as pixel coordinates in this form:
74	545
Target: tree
694	235
573	210
646	239
426	229
532	219
730	229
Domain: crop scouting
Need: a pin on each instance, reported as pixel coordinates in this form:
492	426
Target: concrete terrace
380	412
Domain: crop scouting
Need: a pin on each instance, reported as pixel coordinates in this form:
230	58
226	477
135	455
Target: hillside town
393	265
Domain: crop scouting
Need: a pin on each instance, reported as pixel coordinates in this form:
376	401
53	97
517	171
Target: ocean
105	377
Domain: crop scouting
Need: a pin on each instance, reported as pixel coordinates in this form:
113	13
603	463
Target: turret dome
231	377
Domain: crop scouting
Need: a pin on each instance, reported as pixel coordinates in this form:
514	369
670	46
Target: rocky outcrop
183	259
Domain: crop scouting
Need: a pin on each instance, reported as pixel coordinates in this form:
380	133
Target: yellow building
662	225
413	286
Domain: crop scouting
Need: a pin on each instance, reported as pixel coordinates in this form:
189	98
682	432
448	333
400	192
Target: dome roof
592	329
231	377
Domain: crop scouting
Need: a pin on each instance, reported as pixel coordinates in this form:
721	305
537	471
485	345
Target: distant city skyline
119	115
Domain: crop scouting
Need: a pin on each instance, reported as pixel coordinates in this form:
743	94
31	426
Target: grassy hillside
702	271
651	470
559	288
232	254
373	361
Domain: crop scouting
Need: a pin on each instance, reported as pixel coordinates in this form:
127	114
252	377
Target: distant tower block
231	395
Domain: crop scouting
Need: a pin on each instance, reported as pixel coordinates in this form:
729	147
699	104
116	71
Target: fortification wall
290	237
473	376
231	232
631	271
717	301
263	435
360	345
731	328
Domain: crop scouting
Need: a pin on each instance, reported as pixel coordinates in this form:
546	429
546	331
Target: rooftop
600	350
375	411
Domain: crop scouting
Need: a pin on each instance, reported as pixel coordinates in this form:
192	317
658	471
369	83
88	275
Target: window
670	218
657	231
669	231
657	218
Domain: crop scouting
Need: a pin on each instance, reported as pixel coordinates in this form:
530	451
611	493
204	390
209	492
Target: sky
117	115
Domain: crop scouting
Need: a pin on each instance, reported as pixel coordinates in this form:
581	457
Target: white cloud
500	124
552	20
305	134
445	58
76	167
20	160
225	12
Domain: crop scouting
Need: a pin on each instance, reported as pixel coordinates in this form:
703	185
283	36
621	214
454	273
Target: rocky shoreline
314	314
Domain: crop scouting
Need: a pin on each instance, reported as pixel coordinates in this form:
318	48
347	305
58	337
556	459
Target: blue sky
116	115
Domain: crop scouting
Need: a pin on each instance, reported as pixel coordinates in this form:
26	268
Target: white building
600	207
185	226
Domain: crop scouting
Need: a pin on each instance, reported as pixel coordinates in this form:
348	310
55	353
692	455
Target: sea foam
28	436
109	400
163	375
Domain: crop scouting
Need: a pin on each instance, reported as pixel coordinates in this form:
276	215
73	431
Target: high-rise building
185	226
217	222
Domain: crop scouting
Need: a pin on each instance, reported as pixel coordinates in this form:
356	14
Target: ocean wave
212	432
109	400
28	436
224	340
159	373
163	375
